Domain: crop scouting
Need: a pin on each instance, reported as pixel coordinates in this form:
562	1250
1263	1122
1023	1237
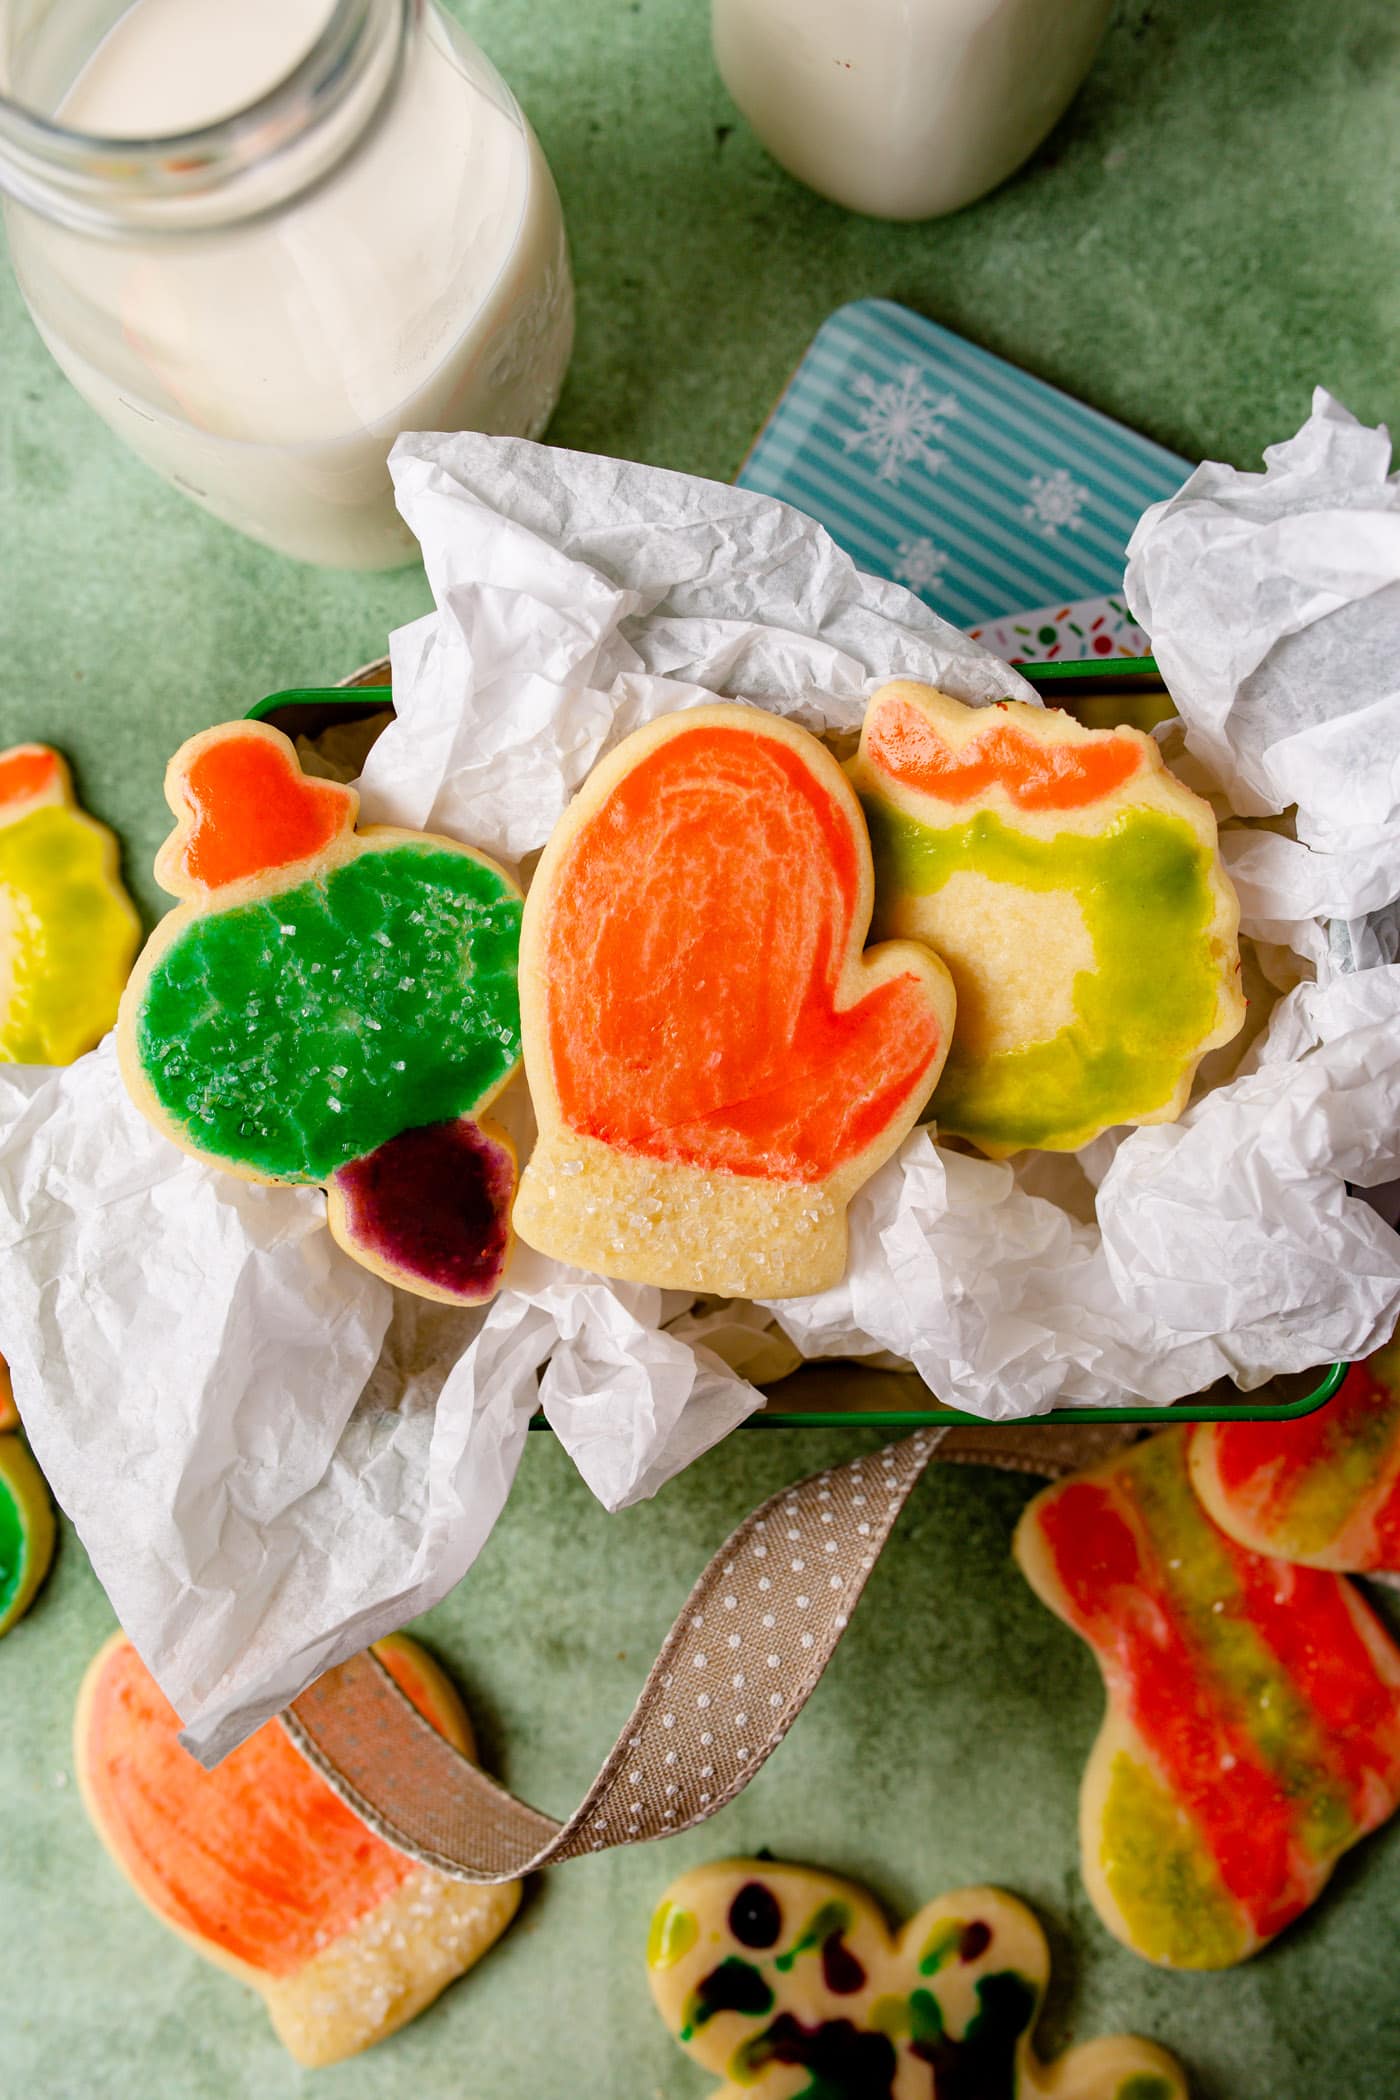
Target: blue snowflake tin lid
937	464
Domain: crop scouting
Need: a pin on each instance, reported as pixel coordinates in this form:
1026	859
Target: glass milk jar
904	108
262	237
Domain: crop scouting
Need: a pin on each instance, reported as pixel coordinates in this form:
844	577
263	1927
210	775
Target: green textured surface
1212	230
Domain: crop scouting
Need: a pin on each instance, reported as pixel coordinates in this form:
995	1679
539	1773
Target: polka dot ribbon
735	1671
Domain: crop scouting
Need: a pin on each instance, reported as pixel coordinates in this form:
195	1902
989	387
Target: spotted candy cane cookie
715	1060
266	1872
1324	1490
1253	1723
334	1007
1075	889
786	1982
67	927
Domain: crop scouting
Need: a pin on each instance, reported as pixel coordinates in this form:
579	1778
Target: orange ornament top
30	775
901	742
244	806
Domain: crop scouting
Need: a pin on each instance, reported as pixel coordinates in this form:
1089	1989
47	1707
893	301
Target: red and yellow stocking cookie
1253	1724
266	1872
67	927
786	1983
1075	889
333	1007
1324	1490
715	1064
26	1530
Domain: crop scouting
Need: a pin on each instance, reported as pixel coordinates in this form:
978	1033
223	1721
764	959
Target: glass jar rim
92	182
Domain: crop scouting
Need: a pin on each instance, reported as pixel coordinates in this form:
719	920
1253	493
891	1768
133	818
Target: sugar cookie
1075	889
716	1066
266	1872
786	1982
68	930
1324	1490
26	1530
1253	1723
332	1006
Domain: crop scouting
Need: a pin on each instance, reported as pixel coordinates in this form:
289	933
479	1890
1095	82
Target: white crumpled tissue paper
272	1458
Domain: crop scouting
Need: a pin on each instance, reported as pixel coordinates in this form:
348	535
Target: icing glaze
715	1061
245	807
26	1531
905	745
267	1872
299	1032
1143	891
711	905
1324	1490
431	1208
760	1970
332	1006
1253	1729
1074	889
67	927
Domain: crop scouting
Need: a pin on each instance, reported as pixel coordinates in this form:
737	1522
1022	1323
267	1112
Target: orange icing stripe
708	908
258	1858
25	772
903	744
253	808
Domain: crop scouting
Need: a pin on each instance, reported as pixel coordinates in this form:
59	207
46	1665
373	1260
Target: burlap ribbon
735	1671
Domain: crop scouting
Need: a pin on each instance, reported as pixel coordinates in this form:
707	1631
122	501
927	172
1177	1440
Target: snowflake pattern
900	421
920	564
1055	500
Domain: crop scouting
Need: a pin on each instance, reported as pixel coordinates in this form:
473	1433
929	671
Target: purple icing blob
433	1204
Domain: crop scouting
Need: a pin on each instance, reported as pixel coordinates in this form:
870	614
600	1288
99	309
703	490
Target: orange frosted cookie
715	1063
1253	1723
266	1872
1075	889
1324	1490
786	1982
333	1007
67	927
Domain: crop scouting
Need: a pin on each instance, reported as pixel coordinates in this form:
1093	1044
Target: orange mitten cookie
1324	1490
1253	1724
1075	888
266	1872
716	1065
335	1007
67	927
787	1983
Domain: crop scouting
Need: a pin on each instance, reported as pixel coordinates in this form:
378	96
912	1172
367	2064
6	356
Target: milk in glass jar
264	236
904	108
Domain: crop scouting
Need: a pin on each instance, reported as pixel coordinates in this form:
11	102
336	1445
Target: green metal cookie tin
854	1395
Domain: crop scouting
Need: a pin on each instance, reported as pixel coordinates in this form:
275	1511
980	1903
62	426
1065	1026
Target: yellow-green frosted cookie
787	1983
1074	888
67	927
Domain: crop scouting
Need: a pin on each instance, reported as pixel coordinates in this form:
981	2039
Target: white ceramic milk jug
904	108
264	236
